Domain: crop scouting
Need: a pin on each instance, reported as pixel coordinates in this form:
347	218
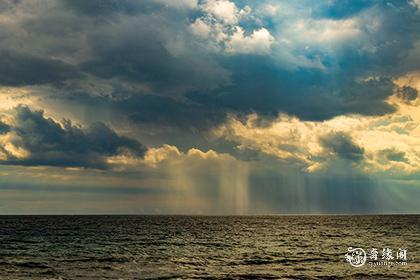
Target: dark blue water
201	247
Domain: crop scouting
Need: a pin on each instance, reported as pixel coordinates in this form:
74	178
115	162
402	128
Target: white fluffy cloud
221	27
293	33
323	31
415	3
200	28
259	41
166	155
223	10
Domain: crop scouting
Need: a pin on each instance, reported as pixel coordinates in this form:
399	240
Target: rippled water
201	247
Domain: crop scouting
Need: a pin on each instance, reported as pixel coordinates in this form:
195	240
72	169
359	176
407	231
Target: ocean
208	247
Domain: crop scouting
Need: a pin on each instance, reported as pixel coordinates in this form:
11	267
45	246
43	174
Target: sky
209	107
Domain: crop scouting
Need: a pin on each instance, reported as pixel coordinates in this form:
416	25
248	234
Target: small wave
263	261
17	241
243	276
165	277
115	259
30	264
120	259
375	276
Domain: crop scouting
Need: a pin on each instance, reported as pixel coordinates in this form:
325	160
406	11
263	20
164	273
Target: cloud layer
244	106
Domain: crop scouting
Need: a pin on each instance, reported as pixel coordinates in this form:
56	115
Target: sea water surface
203	247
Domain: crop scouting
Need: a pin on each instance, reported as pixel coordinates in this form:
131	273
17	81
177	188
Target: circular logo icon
356	256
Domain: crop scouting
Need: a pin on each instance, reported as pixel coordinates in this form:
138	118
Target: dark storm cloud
308	94
4	128
407	93
343	146
153	109
148	62
19	69
49	143
260	84
392	41
141	43
148	45
392	155
100	7
166	111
